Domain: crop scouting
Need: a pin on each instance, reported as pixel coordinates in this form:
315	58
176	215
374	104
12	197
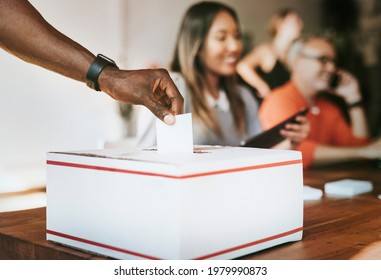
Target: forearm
250	76
349	90
284	145
329	154
358	122
25	33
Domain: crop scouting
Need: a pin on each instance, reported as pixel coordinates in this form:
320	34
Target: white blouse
146	130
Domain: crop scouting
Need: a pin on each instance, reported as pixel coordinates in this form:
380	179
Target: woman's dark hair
193	31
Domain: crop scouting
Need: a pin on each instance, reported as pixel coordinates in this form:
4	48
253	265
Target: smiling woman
212	32
207	51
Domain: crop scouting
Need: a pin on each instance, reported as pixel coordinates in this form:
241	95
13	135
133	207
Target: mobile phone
272	136
335	80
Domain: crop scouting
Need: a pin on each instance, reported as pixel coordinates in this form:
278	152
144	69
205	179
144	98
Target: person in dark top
264	68
276	77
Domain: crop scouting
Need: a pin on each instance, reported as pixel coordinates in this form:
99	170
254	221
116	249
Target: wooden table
334	228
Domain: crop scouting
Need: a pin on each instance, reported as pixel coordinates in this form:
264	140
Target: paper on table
348	187
177	138
310	193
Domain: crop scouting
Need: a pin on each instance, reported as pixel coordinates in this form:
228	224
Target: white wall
151	26
254	14
150	30
41	111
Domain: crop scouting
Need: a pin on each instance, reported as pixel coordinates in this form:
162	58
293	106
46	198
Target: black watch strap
355	104
95	70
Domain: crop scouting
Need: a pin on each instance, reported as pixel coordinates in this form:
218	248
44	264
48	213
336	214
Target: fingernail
169	119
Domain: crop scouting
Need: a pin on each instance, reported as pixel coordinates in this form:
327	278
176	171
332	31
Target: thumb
164	114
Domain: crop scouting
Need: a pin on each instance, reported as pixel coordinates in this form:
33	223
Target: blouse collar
222	103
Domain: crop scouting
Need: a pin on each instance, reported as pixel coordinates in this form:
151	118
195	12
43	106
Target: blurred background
41	111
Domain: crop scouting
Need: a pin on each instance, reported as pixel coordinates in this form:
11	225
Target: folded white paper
310	193
348	187
177	138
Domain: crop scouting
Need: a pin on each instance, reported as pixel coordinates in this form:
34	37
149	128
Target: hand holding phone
335	80
344	84
297	130
273	136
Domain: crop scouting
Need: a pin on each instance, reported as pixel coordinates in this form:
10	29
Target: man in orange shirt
331	139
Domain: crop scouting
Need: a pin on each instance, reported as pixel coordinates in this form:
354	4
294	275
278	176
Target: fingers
296	132
177	105
152	88
294	136
169	119
174	99
346	77
297	128
162	109
301	119
303	125
166	101
161	112
170	102
348	87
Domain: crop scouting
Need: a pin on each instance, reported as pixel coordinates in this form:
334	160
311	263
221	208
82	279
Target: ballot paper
348	187
177	138
310	193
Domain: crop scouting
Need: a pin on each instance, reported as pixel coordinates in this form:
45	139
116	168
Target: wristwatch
95	70
355	104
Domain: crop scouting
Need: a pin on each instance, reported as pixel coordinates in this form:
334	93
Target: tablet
272	136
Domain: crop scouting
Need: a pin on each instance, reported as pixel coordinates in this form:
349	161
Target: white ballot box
215	203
